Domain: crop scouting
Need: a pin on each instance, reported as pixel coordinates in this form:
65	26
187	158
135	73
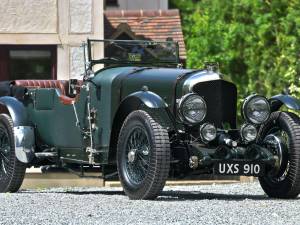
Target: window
111	3
27	62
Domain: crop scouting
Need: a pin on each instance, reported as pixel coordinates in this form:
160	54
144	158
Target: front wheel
143	156
281	135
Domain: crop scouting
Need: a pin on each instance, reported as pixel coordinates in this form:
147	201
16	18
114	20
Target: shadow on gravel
170	195
94	192
75	192
196	195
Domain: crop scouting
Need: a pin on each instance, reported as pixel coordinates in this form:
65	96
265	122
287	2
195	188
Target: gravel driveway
204	204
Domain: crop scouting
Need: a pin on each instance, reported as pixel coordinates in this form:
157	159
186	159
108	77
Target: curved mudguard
156	106
16	110
150	99
289	101
23	134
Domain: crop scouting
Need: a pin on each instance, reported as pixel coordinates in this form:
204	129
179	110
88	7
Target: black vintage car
146	119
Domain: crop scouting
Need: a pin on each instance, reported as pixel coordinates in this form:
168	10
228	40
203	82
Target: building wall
65	23
17	16
141	4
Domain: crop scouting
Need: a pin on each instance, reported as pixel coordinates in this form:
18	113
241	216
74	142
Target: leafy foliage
256	42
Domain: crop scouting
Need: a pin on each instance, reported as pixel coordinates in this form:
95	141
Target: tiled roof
156	25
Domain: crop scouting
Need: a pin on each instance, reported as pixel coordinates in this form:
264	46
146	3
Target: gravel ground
203	204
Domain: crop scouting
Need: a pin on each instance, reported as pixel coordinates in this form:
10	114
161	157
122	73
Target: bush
256	42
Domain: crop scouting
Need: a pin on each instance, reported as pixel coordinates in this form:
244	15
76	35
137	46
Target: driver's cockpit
68	89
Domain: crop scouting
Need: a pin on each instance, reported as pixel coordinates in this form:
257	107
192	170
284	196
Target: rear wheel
12	171
281	135
143	156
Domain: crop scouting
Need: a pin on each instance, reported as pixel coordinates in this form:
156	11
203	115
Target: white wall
17	16
65	23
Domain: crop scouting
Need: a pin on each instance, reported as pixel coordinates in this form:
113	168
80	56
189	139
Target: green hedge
256	42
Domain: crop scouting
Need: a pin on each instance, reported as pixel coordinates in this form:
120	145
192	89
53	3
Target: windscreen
135	52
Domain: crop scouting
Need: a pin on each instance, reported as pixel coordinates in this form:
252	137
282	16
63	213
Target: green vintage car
144	118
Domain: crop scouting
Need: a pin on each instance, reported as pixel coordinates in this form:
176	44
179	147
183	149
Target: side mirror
73	84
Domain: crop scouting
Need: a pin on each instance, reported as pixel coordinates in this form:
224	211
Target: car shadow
198	195
168	195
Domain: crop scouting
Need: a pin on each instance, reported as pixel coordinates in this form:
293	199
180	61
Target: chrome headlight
192	108
256	109
208	132
248	132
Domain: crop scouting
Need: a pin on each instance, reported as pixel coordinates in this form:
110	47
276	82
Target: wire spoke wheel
4	153
143	156
137	153
280	135
12	171
278	142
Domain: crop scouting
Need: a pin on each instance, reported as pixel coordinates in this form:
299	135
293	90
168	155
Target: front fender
16	110
289	101
150	99
153	104
150	102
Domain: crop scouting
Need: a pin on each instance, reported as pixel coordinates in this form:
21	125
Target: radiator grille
221	101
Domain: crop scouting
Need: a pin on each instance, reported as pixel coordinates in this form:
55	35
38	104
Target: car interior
68	89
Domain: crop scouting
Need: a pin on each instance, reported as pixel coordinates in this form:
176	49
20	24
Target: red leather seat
62	85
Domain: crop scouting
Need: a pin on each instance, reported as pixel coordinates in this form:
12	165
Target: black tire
12	171
143	173
285	181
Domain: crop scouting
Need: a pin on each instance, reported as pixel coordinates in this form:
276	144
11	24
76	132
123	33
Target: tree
256	42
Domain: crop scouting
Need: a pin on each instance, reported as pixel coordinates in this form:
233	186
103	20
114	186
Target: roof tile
147	24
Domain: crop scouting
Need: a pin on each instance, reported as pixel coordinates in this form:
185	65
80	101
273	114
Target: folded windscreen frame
135	52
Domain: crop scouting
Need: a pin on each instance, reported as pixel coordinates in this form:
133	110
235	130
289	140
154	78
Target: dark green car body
115	92
111	91
79	126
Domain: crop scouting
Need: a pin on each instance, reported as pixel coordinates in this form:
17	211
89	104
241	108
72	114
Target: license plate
240	168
